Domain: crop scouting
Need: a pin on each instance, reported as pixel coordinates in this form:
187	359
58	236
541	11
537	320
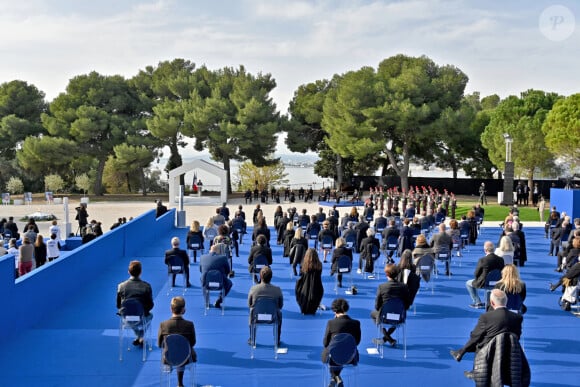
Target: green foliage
267	176
83	182
400	102
39	155
53	183
238	121
522	118
562	129
20	108
15	185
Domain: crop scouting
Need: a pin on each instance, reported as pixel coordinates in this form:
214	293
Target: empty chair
342	351
213	282
264	312
393	315
176	356
132	316
175	267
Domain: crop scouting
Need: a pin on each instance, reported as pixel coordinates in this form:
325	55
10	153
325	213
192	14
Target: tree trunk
403	170
226	162
127	177
339	171
143	183
175	159
99	178
530	186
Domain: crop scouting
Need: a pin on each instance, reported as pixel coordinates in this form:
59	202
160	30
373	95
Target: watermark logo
557	23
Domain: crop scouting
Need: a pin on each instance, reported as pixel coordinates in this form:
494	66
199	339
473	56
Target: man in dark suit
214	261
442	243
135	288
484	266
392	232
496	321
182	254
341	323
266	290
177	325
387	291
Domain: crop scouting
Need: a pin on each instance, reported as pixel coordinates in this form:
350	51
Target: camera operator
82	216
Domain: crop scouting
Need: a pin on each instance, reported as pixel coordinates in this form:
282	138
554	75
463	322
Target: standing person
309	289
542	207
177	325
265	289
83	216
387	291
485	264
482	194
535	194
12	227
39	251
175	251
135	288
25	257
13	249
52	248
341	323
55	229
496	321
160	210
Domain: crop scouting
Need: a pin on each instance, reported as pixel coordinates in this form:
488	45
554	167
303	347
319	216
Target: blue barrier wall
567	200
28	298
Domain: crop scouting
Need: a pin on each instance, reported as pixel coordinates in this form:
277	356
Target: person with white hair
175	251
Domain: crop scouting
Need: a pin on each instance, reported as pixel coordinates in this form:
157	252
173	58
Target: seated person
341	323
386	291
215	261
177	325
266	290
260	248
484	266
135	288
175	251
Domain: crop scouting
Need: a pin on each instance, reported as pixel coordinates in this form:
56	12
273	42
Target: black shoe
553	287
340	284
138	342
477	305
469	374
338	381
218	303
189	285
250	342
558	269
456	355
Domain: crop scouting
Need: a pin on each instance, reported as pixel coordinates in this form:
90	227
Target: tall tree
21	105
238	121
97	112
522	118
166	89
391	112
562	130
131	158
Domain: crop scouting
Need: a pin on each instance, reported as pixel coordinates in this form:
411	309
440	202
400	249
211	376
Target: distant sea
299	170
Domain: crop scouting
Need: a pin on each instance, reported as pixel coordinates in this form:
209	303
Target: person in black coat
484	266
177	252
361	233
261	248
341	323
490	324
309	289
177	325
366	246
392	231
387	291
261	229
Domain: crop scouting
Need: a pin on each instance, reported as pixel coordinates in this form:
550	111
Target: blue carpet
78	344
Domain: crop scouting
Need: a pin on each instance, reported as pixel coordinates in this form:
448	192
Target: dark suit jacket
490	324
178	325
485	265
181	254
392	289
214	261
259	250
342	324
137	289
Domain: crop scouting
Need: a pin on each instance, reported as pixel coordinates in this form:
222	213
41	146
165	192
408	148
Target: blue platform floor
78	344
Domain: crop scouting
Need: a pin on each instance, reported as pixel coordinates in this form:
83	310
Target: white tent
197	164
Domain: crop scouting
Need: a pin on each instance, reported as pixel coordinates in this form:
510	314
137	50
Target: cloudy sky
505	47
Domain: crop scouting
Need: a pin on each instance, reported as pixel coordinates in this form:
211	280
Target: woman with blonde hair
512	285
210	231
505	249
193	234
309	289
